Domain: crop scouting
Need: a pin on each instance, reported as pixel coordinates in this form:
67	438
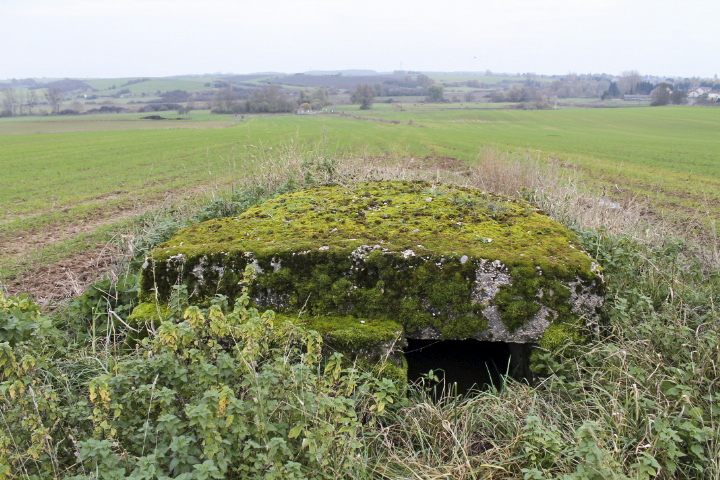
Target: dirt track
50	282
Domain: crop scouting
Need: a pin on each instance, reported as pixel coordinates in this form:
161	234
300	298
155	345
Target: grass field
149	87
487	79
668	155
69	181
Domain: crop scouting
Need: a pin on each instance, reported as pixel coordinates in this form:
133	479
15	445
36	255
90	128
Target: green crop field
487	79
151	86
667	154
70	182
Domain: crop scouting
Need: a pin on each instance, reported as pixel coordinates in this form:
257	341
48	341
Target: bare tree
54	97
32	100
628	81
20	101
225	100
10	101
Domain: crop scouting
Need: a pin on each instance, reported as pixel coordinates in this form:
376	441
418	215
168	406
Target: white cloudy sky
123	38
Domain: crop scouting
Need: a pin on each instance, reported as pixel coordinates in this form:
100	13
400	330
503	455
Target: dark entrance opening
470	364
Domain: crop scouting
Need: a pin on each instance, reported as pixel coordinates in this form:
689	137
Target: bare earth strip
65	278
69	275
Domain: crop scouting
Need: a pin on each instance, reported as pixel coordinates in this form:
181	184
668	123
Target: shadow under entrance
470	364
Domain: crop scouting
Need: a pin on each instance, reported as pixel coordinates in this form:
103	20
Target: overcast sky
127	38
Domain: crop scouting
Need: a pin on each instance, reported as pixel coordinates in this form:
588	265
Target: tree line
268	99
16	102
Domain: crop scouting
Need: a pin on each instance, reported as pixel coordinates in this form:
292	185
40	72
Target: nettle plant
218	392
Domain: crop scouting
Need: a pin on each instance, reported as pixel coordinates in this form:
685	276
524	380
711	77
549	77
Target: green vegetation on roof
414	217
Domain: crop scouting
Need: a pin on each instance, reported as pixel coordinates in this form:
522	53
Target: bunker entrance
468	364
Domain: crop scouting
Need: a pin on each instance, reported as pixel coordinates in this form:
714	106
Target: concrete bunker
371	265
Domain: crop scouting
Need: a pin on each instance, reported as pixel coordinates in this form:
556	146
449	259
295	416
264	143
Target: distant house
698	92
714	96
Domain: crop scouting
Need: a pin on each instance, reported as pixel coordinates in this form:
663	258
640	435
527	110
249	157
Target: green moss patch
558	335
347	333
148	313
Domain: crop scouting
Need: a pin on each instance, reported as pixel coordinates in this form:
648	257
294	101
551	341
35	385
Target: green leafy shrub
218	393
20	319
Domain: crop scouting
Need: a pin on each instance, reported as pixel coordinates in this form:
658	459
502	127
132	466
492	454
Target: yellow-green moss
349	334
148	313
372	345
558	335
387	369
398	215
420	246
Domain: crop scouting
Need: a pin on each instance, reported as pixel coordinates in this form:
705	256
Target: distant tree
518	93
627	81
303	97
541	103
54	97
469	97
488	73
498	96
612	92
225	100
529	79
423	80
32	100
473	84
320	98
435	93
21	95
270	99
10	101
643	88
679	97
661	95
364	94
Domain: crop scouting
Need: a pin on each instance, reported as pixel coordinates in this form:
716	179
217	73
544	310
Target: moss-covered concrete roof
417	218
437	259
